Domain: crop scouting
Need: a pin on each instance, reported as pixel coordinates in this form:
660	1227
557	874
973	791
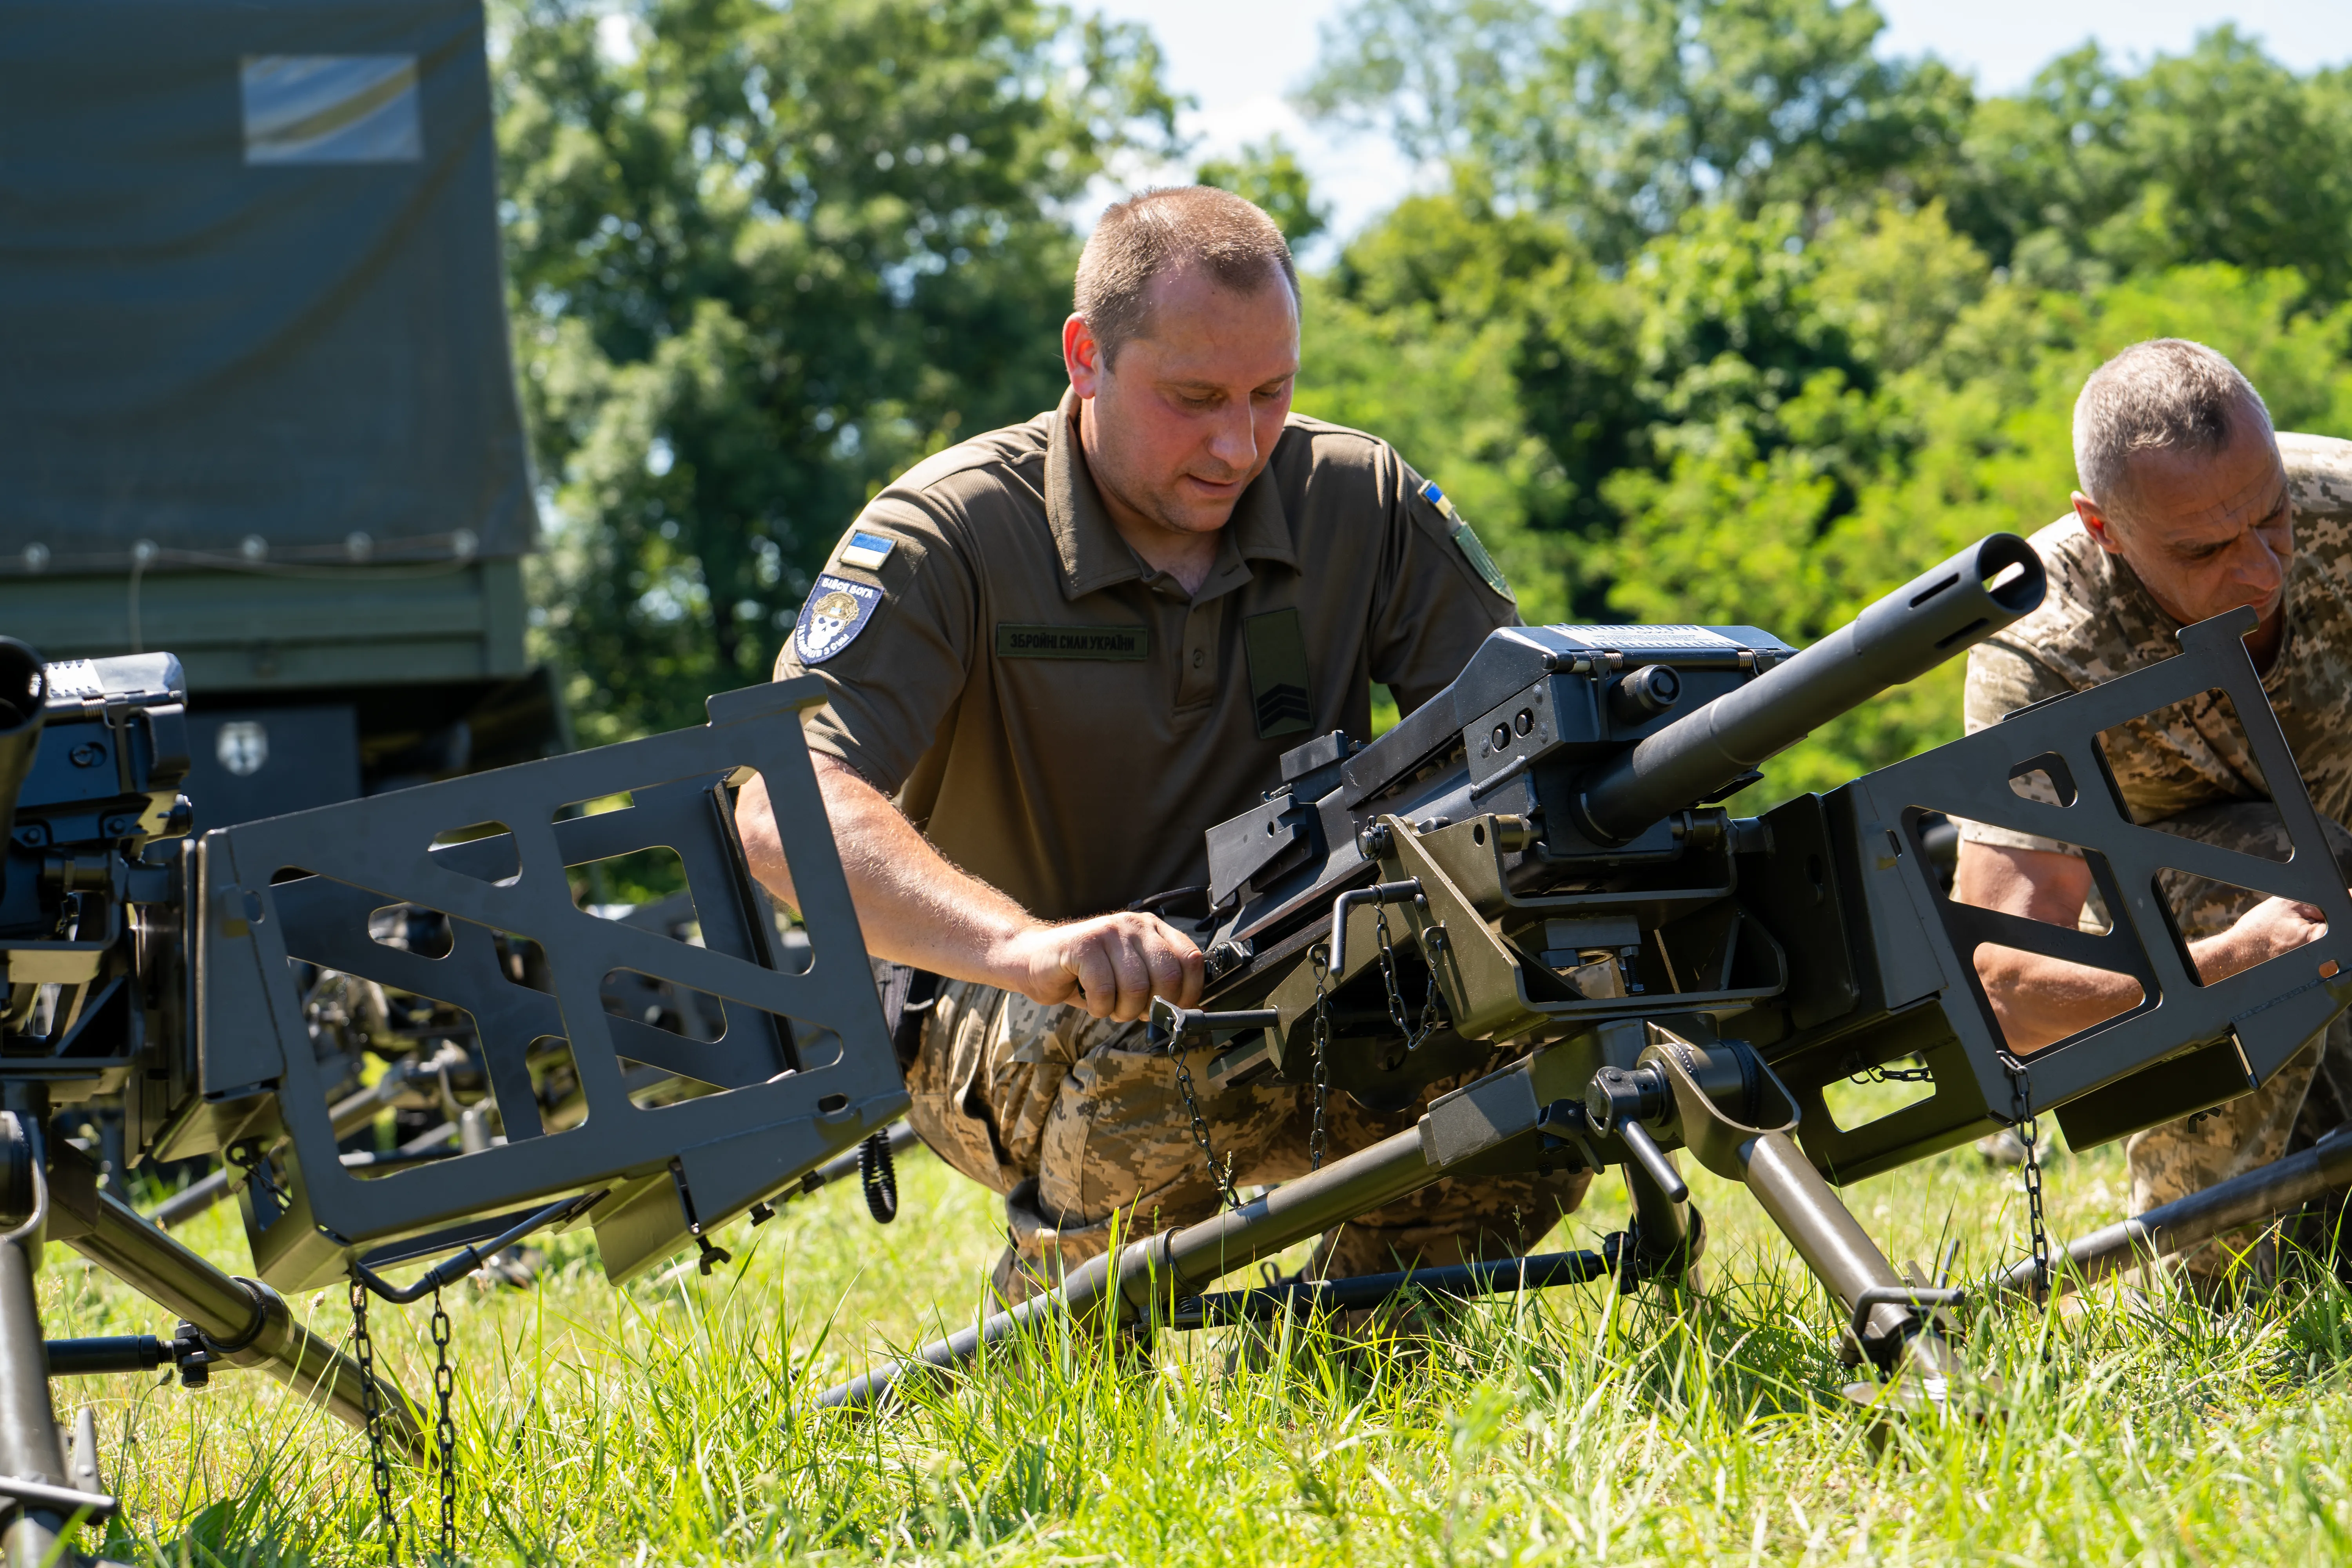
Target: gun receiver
1551	811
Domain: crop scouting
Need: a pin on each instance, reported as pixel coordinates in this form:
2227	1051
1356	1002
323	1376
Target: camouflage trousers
2186	1156
1085	1131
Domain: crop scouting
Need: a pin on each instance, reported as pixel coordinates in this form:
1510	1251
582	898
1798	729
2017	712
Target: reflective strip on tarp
332	108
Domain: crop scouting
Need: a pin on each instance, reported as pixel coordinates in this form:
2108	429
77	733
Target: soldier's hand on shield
2270	928
1113	965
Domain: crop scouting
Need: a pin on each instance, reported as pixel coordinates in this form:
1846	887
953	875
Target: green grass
672	1422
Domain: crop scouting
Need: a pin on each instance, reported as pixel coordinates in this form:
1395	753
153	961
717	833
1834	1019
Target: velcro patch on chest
1279	696
1015	640
836	611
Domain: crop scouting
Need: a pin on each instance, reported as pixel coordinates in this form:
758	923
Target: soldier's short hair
2164	394
1167	230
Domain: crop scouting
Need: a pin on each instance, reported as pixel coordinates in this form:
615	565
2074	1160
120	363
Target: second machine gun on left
171	979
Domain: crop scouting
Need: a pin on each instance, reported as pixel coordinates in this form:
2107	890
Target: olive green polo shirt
1062	719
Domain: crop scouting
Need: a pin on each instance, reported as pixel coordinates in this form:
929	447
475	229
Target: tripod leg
28	1423
1843	1256
249	1319
84	1459
1665	1231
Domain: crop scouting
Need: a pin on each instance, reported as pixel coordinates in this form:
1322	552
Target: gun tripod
1605	1097
50	1191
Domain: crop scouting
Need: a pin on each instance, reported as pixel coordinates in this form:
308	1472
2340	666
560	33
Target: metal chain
1201	1135
2029	1131
1388	974
371	1402
1893	1075
256	1164
1430	1016
1319	1034
1413	1035
445	1430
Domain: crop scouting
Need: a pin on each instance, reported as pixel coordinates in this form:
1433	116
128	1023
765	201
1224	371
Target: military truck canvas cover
250	296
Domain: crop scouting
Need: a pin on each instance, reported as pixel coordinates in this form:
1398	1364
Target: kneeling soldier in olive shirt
1057	654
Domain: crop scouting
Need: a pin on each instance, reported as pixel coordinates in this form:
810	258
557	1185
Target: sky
1239	58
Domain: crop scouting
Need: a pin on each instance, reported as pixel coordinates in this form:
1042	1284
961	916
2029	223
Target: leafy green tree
762	260
2219	155
1436	75
1620	116
1268	173
1794	321
1976	437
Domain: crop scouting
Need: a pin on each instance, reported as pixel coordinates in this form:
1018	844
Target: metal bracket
2206	1042
1916	1297
801	1070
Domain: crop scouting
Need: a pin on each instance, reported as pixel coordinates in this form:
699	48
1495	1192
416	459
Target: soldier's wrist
1010	954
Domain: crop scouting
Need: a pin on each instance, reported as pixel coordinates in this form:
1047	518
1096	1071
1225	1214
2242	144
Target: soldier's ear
1082	356
2095	523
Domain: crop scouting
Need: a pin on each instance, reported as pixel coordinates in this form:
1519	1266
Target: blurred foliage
1267	173
1712	312
762	259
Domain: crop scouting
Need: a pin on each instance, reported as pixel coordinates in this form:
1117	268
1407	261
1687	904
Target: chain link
256	1164
2029	1131
1217	1177
1412	1033
1319	1034
1893	1075
1320	1037
371	1402
445	1430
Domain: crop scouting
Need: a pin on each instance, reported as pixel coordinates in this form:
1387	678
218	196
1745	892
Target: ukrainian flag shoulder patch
1465	539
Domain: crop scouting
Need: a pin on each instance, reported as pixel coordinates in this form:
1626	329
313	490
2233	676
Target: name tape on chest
1015	640
836	611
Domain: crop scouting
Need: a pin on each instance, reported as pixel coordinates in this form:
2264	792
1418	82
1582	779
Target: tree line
1720	316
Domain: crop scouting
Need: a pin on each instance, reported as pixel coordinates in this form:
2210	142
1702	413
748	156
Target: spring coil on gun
879	1178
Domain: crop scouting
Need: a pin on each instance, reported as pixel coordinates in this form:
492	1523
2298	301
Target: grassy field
671	1421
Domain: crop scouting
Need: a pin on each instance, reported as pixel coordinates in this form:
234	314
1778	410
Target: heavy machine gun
174	979
1533	862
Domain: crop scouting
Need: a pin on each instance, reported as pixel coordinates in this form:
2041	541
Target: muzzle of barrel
1985	587
24	694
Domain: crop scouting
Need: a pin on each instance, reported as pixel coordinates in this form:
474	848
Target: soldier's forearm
2038	1000
913	906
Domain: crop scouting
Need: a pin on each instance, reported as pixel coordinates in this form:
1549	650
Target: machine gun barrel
1902	636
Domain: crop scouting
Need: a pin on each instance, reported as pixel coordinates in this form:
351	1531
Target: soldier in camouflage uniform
2190	507
1056	654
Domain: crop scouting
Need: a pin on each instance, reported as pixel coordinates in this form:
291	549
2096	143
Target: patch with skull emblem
836	611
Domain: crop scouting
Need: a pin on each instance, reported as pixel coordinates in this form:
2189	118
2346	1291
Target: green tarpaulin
250	296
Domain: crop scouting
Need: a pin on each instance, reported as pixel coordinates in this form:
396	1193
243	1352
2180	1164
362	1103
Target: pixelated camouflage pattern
1085	1132
2182	1157
2188	769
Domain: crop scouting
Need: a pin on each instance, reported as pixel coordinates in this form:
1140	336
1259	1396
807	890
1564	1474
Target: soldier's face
2207	534
1184	419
